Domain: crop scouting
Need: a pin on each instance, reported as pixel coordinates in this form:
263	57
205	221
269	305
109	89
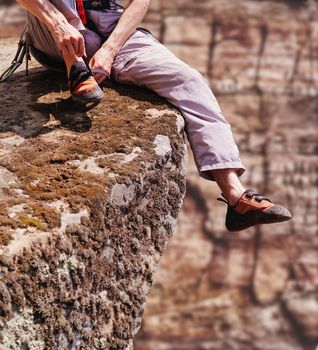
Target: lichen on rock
89	199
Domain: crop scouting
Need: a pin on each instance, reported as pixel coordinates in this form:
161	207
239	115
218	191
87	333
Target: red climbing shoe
83	86
252	209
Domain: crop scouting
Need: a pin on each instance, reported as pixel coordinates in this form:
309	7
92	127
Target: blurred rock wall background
254	290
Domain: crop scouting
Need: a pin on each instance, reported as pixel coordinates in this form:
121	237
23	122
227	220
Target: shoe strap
250	193
99	71
223	199
87	65
79	73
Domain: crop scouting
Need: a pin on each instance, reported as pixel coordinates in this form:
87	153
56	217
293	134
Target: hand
102	62
69	40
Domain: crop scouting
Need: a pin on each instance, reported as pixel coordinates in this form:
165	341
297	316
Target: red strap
81	11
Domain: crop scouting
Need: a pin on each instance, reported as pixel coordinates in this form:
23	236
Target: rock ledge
88	201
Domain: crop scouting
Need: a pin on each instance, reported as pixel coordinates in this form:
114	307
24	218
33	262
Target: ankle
233	195
229	184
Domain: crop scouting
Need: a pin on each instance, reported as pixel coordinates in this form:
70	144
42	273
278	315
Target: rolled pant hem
205	171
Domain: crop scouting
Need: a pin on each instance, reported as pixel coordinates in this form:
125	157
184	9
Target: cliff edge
88	201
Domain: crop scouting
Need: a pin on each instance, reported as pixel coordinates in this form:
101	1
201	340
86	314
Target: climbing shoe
83	87
252	209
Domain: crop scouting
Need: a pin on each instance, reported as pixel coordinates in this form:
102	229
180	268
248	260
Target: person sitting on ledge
67	33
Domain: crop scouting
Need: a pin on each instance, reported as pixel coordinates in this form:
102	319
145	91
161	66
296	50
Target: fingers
67	49
73	48
101	67
70	41
81	48
92	62
100	77
75	44
100	74
78	45
99	71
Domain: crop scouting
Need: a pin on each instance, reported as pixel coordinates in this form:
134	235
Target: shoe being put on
252	209
82	85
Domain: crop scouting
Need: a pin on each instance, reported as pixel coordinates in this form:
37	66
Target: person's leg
145	62
229	184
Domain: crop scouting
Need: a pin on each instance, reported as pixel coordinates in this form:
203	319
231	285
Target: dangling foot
83	86
252	209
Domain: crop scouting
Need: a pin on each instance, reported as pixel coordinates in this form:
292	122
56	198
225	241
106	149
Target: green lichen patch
32	214
26	221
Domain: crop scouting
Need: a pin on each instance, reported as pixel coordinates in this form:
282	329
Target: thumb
92	62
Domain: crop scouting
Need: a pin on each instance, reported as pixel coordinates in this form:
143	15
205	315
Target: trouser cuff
205	171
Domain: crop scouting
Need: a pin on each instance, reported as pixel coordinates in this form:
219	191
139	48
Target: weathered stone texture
88	201
255	289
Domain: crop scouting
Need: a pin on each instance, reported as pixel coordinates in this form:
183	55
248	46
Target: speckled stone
89	198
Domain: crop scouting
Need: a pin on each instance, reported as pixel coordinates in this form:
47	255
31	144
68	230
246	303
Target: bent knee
187	74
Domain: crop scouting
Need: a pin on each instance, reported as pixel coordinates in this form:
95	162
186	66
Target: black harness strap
99	5
22	53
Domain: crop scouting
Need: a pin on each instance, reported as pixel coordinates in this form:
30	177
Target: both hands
71	43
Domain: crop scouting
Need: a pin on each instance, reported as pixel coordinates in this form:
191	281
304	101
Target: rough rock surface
88	201
255	289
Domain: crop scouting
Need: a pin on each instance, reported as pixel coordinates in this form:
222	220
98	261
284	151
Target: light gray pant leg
43	42
145	62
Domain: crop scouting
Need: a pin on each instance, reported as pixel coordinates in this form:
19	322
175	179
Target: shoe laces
249	193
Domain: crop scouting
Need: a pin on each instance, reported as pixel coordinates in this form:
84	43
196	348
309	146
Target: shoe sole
87	98
253	218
